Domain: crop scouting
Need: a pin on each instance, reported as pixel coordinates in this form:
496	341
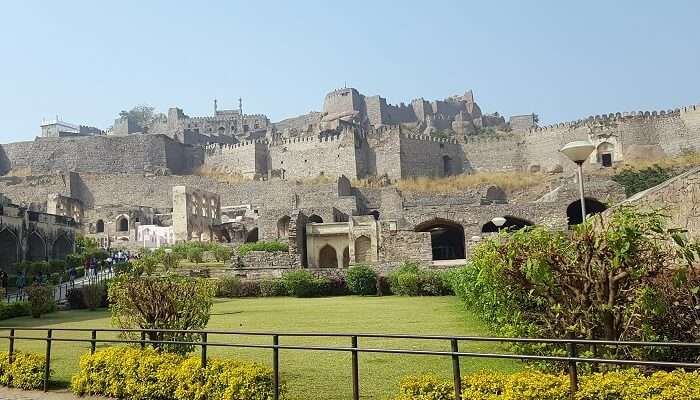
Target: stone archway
593	206
9	249
283	227
252	236
512	223
316	219
327	257
363	246
123	224
605	154
37	247
61	248
446	238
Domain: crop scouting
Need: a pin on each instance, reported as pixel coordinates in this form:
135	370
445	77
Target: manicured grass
310	374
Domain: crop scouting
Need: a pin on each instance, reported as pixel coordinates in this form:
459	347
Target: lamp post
499	222
578	152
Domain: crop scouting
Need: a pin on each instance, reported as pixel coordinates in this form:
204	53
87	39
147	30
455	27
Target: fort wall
105	154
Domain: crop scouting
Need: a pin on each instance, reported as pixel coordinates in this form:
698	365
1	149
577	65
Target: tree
141	115
164	302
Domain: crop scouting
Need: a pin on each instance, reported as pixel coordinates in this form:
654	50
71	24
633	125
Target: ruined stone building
167	183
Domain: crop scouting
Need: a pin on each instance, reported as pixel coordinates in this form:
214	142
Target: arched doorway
8	249
283	227
327	257
604	154
593	206
313	218
37	248
446	238
346	257
252	236
446	166
511	224
122	224
61	248
99	226
362	249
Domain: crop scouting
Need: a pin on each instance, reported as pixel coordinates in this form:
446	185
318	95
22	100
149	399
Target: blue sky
87	60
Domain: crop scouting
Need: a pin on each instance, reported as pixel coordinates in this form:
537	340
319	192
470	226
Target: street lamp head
499	221
578	151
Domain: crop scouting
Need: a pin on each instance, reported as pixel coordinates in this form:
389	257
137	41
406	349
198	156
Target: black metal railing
60	290
572	345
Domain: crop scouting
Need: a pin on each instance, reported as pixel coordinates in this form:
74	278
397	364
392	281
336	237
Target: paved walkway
61	290
63	394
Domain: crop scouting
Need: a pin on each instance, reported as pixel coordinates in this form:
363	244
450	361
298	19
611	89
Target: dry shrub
316	180
508	181
220	175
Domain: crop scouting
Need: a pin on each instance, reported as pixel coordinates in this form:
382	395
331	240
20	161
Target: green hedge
14	309
617	385
25	372
411	280
362	280
262	246
128	372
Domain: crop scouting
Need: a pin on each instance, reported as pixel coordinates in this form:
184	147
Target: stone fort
161	181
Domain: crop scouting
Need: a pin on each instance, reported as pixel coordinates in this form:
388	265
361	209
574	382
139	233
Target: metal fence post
143	339
275	367
12	346
573	373
93	341
456	374
355	371
47	364
204	350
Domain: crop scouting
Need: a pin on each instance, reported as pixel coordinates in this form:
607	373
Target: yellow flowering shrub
25	372
141	374
628	384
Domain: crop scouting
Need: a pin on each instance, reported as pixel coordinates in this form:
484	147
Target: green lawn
311	374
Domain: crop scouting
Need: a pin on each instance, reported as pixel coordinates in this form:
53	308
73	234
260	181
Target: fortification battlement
226	148
618	116
427	138
488	139
227	117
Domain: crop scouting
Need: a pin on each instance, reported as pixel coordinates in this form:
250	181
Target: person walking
20	282
3	281
72	274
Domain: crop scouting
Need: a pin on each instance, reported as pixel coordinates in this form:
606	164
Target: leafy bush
305	284
636	181
74	297
56	266
25	372
410	280
272	288
41	299
14	309
229	286
170	261
168	302
262	246
532	385
222	253
127	372
614	279
93	295
195	254
362	280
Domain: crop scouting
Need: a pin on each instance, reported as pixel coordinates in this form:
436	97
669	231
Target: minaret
240	106
215	107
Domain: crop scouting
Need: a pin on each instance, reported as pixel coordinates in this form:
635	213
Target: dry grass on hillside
316	180
508	181
681	161
20	172
219	175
